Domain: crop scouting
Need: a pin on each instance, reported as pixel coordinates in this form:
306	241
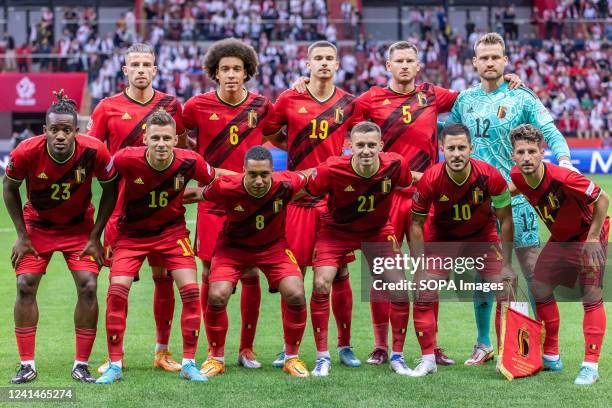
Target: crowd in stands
567	65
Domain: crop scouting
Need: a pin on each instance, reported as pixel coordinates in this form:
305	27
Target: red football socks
424	317
294	323
204	296
380	307
163	307
399	321
216	329
319	314
549	313
26	342
342	307
250	298
84	343
594	328
190	318
116	315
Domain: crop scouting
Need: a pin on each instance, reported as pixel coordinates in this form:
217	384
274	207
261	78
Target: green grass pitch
268	387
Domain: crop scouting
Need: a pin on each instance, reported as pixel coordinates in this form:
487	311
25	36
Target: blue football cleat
347	357
113	373
586	376
554	366
280	360
192	373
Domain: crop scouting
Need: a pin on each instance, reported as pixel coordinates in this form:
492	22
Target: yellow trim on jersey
539	183
453	180
109	180
361	175
418	213
57	161
155	168
253	195
13	179
233	105
324	99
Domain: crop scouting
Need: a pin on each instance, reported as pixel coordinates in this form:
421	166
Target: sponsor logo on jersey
501	112
214	116
443	198
302	110
386	102
252	119
79	175
238	208
42	175
277	205
138	181
477	195
126	116
349	188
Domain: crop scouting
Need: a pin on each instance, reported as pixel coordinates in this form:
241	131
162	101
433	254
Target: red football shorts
208	227
401	214
562	263
277	262
173	249
110	235
334	245
70	242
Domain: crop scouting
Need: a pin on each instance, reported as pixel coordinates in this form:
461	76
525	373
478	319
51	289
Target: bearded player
254	236
575	210
58	168
360	189
490	110
119	121
463	198
229	121
316	125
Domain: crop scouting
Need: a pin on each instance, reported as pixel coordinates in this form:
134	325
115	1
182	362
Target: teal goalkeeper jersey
491	116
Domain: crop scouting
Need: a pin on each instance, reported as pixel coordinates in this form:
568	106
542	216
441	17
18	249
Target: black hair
63	106
455	129
258	153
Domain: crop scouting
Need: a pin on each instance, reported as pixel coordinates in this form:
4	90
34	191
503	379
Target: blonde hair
491	39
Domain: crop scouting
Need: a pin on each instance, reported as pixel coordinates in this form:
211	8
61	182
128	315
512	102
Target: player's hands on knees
94	249
513	81
300	84
192	195
22	247
593	253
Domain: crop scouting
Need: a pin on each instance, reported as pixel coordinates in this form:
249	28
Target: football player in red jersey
152	221
463	198
119	121
229	121
316	125
360	189
58	168
254	236
575	211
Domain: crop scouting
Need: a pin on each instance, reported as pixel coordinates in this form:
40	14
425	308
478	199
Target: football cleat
398	365
348	358
552	365
423	368
441	358
480	355
280	360
113	373
377	357
190	372
81	373
212	367
25	374
295	367
586	376
248	359
322	367
102	369
165	361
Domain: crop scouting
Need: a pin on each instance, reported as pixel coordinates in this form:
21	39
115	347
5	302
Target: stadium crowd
567	64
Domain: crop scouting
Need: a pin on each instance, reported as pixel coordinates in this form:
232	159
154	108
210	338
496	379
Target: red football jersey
119	121
563	199
460	211
409	122
315	129
59	194
153	198
226	132
356	203
254	222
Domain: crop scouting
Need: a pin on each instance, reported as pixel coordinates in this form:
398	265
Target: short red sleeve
214	193
421	200
97	126
118	161
362	109
104	169
17	168
445	99
497	183
189	114
178	118
298	180
204	172
278	119
318	182
581	187
405	179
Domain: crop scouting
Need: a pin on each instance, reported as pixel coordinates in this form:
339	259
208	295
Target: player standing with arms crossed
119	121
229	121
58	168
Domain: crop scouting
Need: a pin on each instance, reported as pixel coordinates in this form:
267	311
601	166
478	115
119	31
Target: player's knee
26	289
295	296
321	285
218	296
87	290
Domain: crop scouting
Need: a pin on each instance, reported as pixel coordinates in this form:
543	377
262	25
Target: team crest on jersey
501	112
523	341
214	116
79	175
179	182
443	198
252	120
339	115
553	201
277	205
386	102
477	195
422	98
386	185
126	116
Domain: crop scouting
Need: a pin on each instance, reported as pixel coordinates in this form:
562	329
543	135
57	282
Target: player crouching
575	211
153	222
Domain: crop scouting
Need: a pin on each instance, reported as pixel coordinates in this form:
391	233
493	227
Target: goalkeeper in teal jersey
491	110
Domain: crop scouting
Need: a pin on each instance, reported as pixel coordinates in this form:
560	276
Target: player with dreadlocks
58	216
